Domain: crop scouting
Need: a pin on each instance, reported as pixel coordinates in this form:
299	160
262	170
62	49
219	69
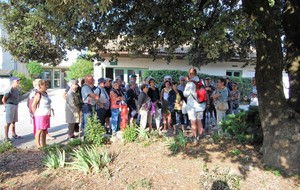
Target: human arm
35	102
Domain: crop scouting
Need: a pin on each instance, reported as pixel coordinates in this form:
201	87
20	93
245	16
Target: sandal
17	137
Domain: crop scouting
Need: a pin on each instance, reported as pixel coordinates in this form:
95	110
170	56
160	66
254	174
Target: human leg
114	120
6	127
71	127
143	120
43	138
38	138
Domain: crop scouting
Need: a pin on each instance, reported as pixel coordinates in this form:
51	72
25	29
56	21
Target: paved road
24	126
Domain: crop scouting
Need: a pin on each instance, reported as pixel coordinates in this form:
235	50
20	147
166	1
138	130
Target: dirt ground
151	166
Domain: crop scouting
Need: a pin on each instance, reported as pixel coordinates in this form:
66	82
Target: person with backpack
11	100
89	99
41	108
103	104
194	107
29	105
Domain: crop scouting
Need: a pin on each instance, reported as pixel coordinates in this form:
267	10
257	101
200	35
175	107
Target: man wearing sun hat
11	100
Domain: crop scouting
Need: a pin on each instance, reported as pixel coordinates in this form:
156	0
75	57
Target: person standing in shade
153	93
144	103
210	112
176	100
11	100
89	99
73	108
194	109
103	104
181	87
220	97
235	98
131	103
116	98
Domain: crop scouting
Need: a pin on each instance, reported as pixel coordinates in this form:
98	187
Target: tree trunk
280	123
291	26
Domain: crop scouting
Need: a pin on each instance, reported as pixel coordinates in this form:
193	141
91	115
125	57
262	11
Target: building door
56	78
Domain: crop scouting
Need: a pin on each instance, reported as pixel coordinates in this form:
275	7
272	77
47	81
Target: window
234	73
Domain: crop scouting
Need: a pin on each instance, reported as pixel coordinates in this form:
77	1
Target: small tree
34	69
80	68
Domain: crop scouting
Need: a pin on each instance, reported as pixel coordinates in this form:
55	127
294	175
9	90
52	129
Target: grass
140	184
235	152
5	146
177	143
275	171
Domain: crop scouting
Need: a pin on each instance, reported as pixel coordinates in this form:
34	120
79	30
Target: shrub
177	143
245	126
55	159
80	68
95	131
34	68
130	134
244	84
5	146
25	84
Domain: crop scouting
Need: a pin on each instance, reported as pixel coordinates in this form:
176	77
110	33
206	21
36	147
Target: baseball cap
207	78
14	78
101	80
133	75
107	79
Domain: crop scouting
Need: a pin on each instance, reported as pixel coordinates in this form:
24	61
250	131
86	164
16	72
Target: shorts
11	111
195	115
42	122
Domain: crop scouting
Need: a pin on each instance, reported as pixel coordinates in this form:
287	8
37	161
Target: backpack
200	92
30	101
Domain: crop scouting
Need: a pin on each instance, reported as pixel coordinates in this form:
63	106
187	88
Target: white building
6	60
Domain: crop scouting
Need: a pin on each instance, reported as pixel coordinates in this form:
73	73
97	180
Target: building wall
6	60
218	69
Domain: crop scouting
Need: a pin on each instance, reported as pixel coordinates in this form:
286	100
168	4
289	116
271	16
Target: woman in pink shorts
41	107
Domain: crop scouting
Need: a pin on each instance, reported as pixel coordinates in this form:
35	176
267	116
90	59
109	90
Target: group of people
39	105
147	104
116	103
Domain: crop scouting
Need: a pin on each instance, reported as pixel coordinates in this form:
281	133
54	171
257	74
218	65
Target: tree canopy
212	29
43	30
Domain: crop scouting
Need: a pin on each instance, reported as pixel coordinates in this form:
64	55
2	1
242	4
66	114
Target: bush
95	132
80	68
25	84
34	69
245	126
130	134
177	143
244	84
5	146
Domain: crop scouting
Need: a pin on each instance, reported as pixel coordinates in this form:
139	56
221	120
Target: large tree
280	123
213	29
